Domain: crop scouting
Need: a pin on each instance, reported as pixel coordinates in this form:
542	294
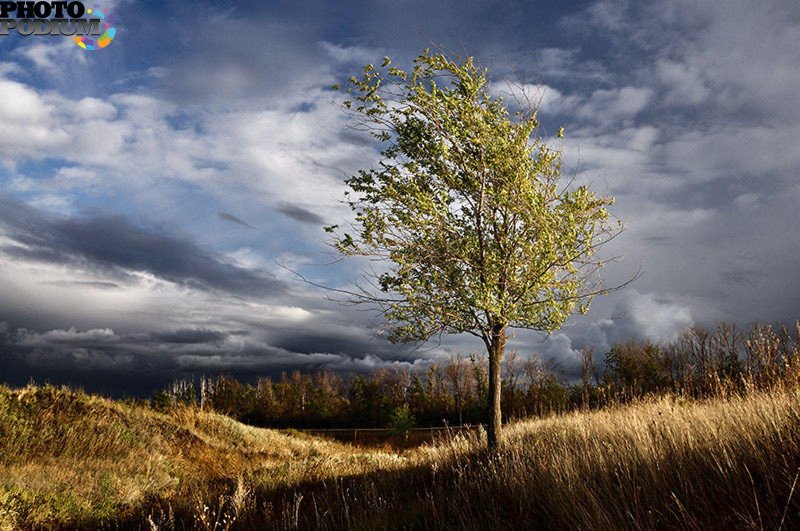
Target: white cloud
49	56
611	105
545	99
685	83
637	316
360	55
131	142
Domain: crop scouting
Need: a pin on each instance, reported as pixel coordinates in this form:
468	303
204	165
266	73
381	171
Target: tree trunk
497	347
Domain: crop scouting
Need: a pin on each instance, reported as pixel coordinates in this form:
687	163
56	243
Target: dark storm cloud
310	342
113	244
57	362
106	342
233	219
349	342
17	372
139	363
189	336
300	214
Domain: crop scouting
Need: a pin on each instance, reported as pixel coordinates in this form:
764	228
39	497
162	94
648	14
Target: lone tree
466	209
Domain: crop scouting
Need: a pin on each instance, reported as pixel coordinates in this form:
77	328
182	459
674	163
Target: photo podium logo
90	28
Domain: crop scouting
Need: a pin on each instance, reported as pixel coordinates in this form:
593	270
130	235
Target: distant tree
325	397
636	368
457	375
467	207
266	404
512	370
233	398
479	376
417	398
435	388
545	391
588	371
727	343
178	393
401	421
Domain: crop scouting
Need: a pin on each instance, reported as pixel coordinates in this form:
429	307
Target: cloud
603	108
550	64
686	112
634	316
49	57
648	316
190	336
300	214
181	353
113	245
233	219
544	98
280	62
81	284
611	105
95	337
685	83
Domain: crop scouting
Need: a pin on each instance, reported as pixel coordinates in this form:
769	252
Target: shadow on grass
481	491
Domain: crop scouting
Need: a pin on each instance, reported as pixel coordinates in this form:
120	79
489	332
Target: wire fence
353	433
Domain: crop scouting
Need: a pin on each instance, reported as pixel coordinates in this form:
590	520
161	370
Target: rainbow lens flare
89	44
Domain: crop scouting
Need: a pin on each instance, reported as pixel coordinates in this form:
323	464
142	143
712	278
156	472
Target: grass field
71	460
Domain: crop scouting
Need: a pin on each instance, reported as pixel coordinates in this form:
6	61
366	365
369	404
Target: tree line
699	363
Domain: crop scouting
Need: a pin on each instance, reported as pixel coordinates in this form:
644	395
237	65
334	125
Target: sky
157	195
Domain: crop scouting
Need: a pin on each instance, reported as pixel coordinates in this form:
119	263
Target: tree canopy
467	208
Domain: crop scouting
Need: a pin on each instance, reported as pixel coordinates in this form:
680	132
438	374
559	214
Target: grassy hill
68	459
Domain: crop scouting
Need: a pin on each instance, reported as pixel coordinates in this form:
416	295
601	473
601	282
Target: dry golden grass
663	463
75	459
72	460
